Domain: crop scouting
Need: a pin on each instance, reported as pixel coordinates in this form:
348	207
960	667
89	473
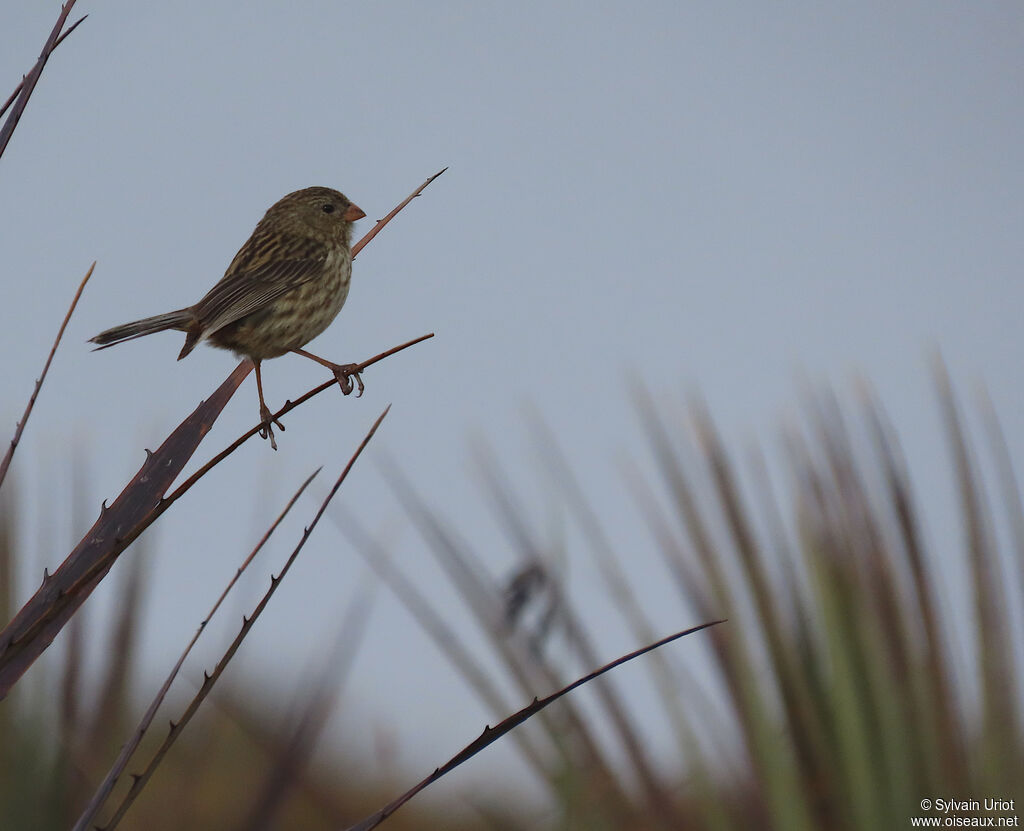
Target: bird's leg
266	417
343	372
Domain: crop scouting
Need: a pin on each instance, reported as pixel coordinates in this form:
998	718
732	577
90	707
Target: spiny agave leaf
33	629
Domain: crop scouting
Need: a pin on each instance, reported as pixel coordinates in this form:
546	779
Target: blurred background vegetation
842	689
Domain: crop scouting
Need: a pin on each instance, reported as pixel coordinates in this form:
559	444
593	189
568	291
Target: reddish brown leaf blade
33	629
29	84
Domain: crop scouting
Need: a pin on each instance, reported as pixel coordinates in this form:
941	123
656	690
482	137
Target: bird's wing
261	272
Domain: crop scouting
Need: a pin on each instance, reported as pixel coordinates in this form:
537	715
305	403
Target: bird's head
322	213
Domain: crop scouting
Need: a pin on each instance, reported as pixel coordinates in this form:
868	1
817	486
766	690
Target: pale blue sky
723	197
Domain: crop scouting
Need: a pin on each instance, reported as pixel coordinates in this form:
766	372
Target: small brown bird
282	289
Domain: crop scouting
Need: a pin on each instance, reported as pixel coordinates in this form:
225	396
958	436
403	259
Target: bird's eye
328	208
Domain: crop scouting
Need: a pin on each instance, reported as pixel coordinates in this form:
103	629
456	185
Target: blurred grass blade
1000	718
526	666
576	633
445	637
293	758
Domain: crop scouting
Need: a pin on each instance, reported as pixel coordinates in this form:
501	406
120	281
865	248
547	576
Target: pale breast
294	319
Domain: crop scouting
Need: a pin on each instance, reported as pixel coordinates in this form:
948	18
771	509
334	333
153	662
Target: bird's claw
266	430
344	373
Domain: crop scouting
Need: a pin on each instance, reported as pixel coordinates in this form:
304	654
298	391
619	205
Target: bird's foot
345	373
266	420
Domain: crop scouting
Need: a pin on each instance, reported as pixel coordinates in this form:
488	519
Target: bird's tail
147	326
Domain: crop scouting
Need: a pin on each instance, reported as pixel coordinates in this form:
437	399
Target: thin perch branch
382	222
20	428
287	408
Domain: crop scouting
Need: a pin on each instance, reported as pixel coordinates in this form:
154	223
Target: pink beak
352	213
